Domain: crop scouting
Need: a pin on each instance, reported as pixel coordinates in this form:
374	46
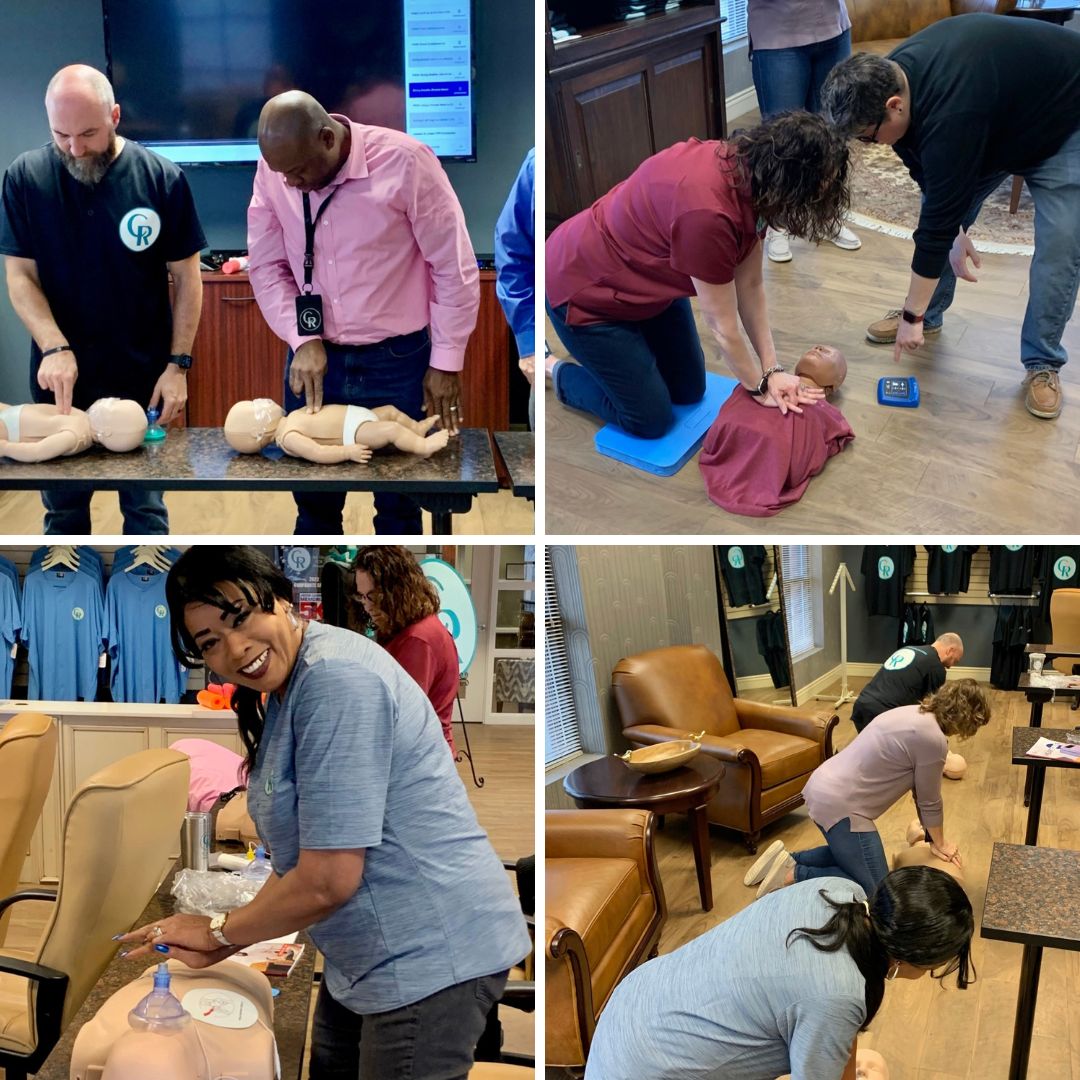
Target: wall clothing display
10	571
772	645
886	569
1012	569
10	624
949	567
1013	629
741	568
63	616
905	678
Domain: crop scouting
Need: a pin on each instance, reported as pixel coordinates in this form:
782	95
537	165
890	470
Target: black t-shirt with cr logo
741	568
101	253
886	570
904	679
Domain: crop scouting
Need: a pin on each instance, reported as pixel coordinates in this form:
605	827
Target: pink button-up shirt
392	253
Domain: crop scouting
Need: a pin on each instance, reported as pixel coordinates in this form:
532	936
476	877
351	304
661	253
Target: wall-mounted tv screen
192	75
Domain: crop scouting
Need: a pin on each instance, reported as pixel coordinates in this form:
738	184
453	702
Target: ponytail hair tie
867	906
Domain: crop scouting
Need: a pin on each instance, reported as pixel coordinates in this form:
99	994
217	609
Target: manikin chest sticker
899	659
139	228
885	567
736	558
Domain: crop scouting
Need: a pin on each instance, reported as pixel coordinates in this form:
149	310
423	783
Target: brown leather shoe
883	332
1044	397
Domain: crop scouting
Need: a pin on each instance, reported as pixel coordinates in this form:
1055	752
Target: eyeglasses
871	138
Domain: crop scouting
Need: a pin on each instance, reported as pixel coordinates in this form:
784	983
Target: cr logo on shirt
161	611
139	228
735	557
78	614
1064	568
899	659
885	567
948	548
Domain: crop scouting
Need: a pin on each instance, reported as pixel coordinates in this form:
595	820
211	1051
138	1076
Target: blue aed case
898	390
668	454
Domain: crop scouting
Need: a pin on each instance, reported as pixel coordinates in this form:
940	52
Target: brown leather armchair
769	750
878	26
27	757
605	908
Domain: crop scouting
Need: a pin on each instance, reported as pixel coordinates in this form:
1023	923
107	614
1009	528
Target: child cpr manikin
335	433
228	1026
41	432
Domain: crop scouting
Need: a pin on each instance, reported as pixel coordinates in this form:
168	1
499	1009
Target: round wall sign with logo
1064	568
885	568
139	228
899	660
736	557
456	610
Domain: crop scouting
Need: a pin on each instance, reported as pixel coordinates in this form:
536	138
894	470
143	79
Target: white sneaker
846	239
763	862
777	246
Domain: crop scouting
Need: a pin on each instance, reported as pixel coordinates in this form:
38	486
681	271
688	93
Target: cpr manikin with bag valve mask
217	1024
756	463
335	433
34	432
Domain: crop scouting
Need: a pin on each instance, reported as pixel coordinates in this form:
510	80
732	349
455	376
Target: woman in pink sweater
899	751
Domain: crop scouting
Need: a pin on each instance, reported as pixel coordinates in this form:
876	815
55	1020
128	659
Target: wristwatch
217	928
182	360
763	386
910	316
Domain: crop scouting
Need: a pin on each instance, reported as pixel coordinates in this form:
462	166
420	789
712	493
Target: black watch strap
182	360
762	387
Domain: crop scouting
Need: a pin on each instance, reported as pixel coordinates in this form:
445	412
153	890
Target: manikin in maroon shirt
756	463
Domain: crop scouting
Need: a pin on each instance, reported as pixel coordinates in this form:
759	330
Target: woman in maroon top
402	605
688	222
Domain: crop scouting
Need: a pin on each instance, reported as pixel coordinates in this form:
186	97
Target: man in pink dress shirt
391	262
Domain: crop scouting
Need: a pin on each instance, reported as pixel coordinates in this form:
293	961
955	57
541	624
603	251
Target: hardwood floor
505	808
970	459
262	513
926	1032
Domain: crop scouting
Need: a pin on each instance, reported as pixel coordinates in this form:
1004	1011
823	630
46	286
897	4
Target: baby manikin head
251	425
824	366
955	766
118	424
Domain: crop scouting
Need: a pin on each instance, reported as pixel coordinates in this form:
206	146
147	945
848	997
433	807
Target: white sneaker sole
774	879
781	258
764	861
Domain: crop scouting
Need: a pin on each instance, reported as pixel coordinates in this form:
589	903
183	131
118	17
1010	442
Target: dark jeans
68	512
631	373
856	855
792	78
390	372
432	1039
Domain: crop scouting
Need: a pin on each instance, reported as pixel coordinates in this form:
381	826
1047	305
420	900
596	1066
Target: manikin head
955	766
251	425
301	140
950	649
824	366
118	424
83	115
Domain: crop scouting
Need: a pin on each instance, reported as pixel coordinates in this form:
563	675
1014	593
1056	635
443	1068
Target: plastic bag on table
205	892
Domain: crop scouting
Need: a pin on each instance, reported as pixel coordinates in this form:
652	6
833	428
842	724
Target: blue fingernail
162	948
274	992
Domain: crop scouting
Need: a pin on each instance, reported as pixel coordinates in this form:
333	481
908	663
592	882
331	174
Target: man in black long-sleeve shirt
964	103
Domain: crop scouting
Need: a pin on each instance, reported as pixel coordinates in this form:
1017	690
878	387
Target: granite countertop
199	459
1024	738
291	1006
517	449
1032	896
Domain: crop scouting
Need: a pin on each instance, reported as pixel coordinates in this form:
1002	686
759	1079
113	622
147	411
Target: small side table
1031	898
610	782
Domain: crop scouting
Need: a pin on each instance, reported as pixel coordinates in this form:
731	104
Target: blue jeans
68	512
792	78
856	855
388	373
432	1039
631	373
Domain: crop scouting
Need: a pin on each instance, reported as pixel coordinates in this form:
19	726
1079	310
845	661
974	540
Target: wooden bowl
663	757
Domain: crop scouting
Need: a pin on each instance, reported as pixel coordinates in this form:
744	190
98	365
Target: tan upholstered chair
27	757
118	833
1065	625
769	750
605	908
493	1070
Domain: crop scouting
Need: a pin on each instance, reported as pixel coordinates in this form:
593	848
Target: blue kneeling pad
668	454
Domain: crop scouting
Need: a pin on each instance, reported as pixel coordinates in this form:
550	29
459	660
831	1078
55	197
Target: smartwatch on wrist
182	360
910	316
762	387
217	929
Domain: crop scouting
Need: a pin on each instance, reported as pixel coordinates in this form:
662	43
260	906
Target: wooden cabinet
238	357
620	93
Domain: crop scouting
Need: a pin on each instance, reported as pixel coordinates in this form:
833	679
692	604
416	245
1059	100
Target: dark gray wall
871	638
39	36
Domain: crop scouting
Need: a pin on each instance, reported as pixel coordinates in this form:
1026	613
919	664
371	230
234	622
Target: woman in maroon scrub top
688	222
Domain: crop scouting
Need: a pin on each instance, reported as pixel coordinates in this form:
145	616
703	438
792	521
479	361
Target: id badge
309	317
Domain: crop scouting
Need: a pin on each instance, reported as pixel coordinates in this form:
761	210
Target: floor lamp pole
844	581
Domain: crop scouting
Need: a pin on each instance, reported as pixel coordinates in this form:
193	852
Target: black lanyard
309	235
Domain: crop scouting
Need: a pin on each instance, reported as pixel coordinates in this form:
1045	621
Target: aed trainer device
902	391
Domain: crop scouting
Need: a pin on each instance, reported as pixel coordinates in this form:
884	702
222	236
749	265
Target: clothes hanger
152	555
61	555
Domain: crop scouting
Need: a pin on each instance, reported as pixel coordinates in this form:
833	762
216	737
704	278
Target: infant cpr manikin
40	432
231	1009
335	433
